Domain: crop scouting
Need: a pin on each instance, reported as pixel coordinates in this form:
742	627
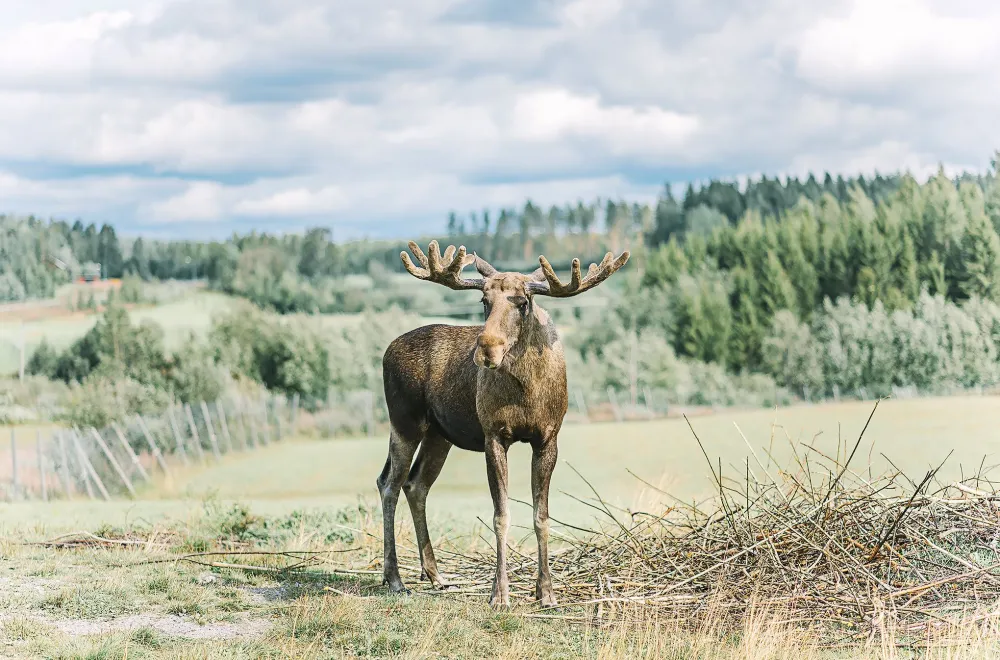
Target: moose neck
537	336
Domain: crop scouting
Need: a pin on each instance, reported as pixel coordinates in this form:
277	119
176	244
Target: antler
448	273
547	284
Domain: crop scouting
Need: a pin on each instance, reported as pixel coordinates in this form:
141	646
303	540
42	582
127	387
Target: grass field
179	318
102	600
190	313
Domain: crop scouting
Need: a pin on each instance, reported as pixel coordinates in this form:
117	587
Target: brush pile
823	544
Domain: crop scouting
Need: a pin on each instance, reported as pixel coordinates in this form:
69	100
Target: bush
194	374
280	354
101	399
44	361
115	347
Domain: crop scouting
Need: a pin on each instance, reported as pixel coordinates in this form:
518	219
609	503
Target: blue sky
197	118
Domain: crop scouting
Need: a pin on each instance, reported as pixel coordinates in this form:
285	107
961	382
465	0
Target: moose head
507	297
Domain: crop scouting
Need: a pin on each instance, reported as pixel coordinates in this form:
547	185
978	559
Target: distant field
192	313
914	434
179	318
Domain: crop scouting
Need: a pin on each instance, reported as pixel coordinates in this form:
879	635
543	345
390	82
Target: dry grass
847	555
806	562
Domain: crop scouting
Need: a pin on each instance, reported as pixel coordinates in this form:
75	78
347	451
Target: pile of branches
823	543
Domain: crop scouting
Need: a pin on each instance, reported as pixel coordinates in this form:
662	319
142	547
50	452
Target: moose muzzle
490	351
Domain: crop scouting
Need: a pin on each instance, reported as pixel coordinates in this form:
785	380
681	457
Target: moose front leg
496	473
543	461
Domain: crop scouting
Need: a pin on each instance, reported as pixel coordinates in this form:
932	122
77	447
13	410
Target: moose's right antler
546	283
448	273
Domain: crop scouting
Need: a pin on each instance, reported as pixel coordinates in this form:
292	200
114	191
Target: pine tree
980	276
836	272
801	272
669	218
109	253
748	333
934	276
992	202
776	290
905	270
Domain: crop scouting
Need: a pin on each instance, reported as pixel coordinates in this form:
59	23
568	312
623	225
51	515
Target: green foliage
114	347
101	399
279	353
195	375
131	290
44	361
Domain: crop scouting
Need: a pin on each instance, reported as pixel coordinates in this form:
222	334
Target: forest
737	293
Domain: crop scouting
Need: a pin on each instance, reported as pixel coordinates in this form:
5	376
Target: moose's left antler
547	284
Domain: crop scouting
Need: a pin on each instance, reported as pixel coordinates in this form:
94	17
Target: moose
479	388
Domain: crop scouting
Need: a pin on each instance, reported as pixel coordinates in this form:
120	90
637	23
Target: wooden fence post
220	411
88	467
111	459
128	450
240	423
614	404
211	431
371	414
278	430
153	447
581	404
68	489
15	485
265	431
178	438
41	466
248	414
194	432
647	397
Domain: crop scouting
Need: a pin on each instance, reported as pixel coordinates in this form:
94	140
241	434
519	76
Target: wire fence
115	461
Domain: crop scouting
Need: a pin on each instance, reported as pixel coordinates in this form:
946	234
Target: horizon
168	121
677	190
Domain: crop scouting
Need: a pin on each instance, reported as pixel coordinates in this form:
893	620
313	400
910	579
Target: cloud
880	44
375	117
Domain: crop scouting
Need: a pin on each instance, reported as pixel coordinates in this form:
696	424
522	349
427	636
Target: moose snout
490	351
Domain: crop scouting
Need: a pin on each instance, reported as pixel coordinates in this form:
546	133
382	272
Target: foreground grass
125	594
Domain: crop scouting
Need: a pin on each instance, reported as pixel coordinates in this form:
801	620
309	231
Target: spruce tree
776	290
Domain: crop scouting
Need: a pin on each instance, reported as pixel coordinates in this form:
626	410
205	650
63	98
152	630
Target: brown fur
479	388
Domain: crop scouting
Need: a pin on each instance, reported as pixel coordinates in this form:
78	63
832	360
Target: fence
113	462
364	412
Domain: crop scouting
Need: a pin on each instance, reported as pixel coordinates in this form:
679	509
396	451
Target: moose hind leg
430	459
389	483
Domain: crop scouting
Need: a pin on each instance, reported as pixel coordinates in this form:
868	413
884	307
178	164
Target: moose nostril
488	341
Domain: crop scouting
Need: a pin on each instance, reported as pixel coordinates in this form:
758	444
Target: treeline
900	292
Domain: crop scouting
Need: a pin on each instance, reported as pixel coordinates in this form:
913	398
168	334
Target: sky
202	117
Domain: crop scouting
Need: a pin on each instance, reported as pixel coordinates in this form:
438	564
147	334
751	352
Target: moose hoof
396	587
498	603
548	601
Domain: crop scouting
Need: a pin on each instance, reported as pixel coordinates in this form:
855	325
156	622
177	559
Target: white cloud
225	112
888	43
201	201
556	114
36	53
